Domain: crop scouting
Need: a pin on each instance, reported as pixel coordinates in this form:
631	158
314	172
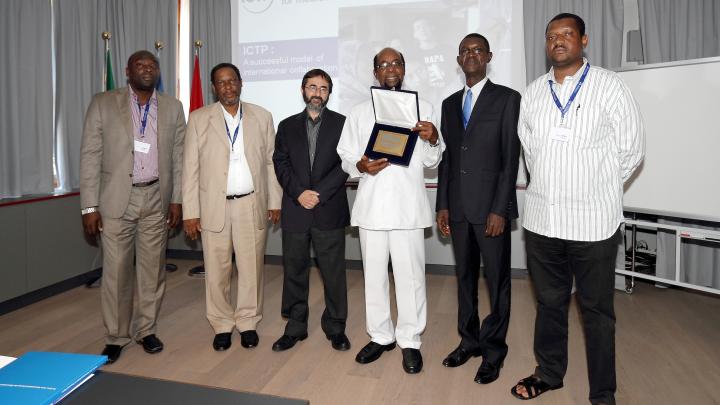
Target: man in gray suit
130	193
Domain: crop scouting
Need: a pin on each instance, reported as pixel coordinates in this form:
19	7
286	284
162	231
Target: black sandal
534	386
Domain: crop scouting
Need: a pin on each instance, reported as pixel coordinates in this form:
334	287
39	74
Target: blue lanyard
234	138
564	110
143	121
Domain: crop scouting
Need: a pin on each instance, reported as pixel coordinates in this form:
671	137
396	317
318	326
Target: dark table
108	388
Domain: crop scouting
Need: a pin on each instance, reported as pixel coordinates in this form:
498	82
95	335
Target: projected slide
276	41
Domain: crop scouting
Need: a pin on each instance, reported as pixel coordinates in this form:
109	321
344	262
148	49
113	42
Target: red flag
196	94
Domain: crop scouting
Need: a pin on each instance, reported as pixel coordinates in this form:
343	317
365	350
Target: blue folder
45	377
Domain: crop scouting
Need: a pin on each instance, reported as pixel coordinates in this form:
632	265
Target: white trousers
406	247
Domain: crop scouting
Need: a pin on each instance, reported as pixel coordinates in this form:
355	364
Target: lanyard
143	121
234	138
565	109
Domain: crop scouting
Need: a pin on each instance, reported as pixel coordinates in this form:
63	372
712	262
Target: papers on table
5	360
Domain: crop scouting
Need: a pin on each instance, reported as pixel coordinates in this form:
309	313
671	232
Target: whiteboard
680	106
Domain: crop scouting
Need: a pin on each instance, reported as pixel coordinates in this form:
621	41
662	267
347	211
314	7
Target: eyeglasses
227	83
474	51
314	89
385	65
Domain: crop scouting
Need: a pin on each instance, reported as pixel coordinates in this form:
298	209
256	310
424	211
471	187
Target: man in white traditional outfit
391	210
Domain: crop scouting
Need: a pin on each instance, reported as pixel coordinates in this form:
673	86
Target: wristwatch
88	210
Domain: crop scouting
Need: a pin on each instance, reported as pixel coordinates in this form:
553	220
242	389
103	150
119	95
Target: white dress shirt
476	89
395	198
576	177
239	177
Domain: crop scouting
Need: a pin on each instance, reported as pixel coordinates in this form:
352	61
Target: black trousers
469	242
552	263
329	249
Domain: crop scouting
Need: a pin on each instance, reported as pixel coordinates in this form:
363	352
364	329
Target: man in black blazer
314	209
476	202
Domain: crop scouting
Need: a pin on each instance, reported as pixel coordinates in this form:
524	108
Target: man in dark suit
314	209
476	202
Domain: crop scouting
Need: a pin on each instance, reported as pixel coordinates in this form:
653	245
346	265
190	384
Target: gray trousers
140	234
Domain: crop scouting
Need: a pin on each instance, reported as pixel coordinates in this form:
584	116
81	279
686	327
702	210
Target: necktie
467	107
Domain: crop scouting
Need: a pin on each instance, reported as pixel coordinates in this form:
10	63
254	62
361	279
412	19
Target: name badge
236	157
142	147
560	134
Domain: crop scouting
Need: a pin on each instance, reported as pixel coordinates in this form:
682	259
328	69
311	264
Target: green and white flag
109	79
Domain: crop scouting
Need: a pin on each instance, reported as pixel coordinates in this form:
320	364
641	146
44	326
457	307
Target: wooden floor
668	347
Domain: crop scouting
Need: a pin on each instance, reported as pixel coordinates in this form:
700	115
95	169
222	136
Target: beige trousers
140	234
239	235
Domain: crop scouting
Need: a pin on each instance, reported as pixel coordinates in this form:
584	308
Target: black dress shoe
487	373
459	356
372	351
339	342
151	344
112	352
286	341
222	341
249	339
412	361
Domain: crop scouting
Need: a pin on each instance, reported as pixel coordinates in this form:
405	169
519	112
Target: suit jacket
207	158
292	166
106	156
478	171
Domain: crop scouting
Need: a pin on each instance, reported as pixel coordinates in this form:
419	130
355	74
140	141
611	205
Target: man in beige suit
130	174
229	193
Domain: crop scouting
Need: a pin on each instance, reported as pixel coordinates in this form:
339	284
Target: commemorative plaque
396	113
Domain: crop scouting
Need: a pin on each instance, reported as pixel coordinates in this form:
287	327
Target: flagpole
197	271
158	46
159	86
106	38
96	281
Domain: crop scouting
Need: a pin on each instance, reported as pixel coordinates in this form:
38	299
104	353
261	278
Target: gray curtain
604	27
210	23
26	107
134	25
679	29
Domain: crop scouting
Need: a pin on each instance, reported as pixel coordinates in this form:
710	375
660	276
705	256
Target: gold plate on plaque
392	143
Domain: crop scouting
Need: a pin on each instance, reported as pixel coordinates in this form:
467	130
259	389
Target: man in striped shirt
583	138
130	194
